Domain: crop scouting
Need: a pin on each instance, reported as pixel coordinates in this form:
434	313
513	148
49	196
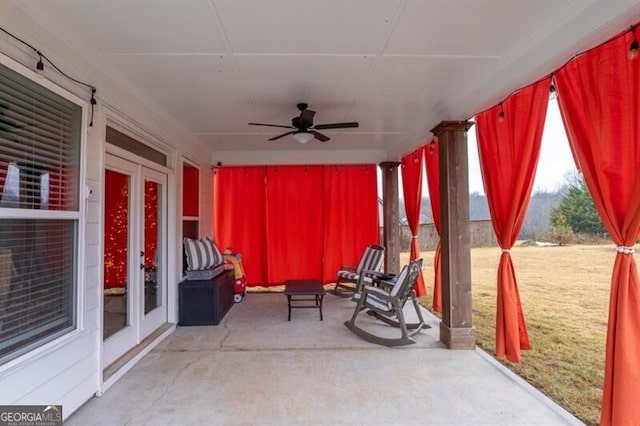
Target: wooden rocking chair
371	260
385	302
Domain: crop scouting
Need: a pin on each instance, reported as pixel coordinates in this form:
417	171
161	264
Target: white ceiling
398	67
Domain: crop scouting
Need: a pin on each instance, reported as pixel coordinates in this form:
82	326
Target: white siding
69	372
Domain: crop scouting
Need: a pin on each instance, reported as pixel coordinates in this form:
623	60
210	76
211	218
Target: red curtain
294	223
350	215
411	166
433	180
116	228
239	217
509	138
190	190
599	96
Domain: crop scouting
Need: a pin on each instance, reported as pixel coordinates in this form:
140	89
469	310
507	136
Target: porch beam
391	216
456	328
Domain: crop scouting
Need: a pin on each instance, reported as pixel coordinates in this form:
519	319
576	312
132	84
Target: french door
134	286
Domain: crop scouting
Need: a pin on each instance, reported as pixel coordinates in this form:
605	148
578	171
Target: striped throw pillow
202	254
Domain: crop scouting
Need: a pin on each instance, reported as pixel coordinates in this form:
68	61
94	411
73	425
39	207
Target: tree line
556	216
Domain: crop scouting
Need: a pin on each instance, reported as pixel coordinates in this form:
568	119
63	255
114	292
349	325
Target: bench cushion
202	254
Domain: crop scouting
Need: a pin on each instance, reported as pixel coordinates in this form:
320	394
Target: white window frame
79	216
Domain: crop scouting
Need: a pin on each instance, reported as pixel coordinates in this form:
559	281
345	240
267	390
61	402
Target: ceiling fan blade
336	125
282	135
319	136
270	125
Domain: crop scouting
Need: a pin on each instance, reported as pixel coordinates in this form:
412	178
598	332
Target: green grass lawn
565	298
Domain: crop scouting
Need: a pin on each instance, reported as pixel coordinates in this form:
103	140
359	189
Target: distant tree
572	178
478	207
560	232
537	220
577	209
426	215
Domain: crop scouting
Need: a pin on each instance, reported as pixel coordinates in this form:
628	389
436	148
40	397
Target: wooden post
391	219
456	328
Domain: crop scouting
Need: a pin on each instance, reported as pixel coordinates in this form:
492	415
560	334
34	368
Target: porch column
456	329
391	219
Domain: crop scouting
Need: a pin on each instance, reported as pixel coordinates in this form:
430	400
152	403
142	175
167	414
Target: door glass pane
152	244
116	243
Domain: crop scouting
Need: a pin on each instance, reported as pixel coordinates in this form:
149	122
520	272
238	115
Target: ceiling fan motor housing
300	123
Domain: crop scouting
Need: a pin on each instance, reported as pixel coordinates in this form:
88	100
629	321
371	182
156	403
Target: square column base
458	338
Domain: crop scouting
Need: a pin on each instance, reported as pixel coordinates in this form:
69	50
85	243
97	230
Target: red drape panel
509	148
239	217
190	190
116	228
350	215
433	180
294	225
599	96
411	166
295	221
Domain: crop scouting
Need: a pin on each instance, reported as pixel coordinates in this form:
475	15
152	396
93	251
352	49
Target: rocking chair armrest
368	273
377	278
348	268
379	293
387	285
370	277
362	279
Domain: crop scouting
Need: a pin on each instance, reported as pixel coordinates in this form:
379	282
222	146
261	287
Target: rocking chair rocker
386	303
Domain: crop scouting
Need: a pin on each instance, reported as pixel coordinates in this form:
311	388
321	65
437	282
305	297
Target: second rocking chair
349	276
386	302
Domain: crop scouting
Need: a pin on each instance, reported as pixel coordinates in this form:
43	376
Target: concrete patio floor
258	368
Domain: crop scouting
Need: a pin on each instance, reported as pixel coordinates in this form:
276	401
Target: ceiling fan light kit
302	137
303	127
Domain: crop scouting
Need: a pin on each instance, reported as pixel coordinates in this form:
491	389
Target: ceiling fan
304	129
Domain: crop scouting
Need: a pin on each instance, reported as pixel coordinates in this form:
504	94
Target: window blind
39	170
37	268
40	136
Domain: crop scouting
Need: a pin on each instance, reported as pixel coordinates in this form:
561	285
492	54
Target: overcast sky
555	156
554	162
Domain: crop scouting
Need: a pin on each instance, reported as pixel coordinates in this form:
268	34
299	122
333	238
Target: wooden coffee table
296	290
